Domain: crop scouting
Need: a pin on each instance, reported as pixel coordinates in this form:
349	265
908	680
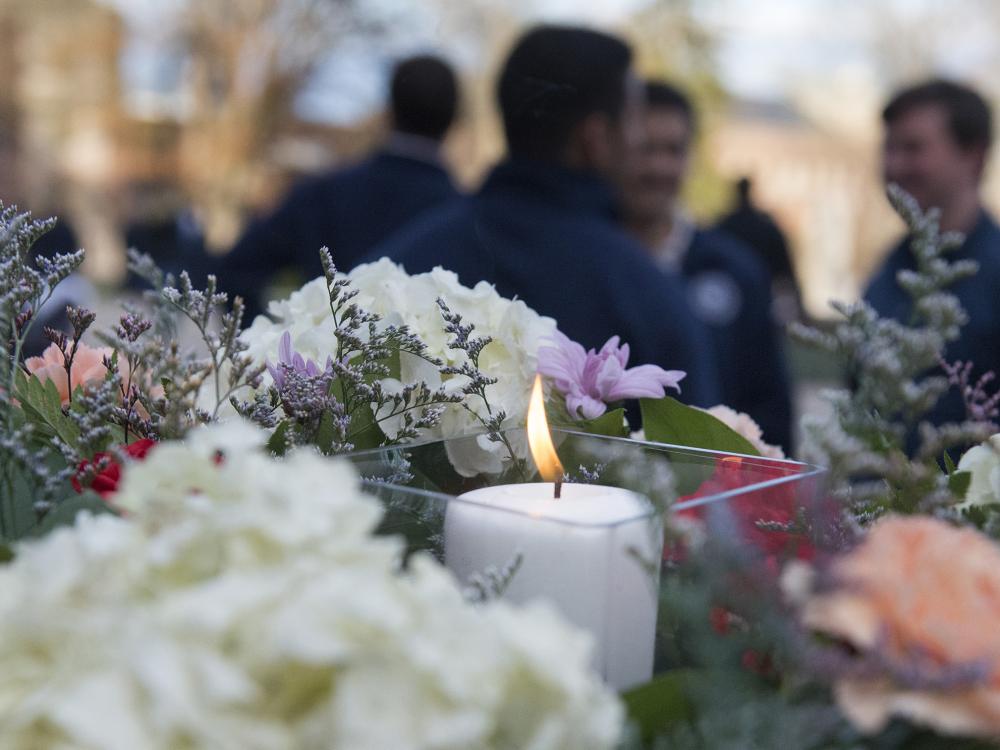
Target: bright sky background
765	49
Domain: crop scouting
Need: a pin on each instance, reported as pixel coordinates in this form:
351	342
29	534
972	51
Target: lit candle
593	552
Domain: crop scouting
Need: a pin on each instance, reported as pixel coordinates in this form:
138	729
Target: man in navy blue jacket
351	210
728	286
938	135
543	226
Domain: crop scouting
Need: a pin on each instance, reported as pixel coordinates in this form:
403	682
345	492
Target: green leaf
65	511
393	363
6	553
658	705
958	482
609	424
278	442
365	432
949	464
42	405
667	420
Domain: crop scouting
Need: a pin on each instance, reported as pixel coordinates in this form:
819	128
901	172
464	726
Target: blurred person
543	226
937	139
761	233
350	210
727	285
162	224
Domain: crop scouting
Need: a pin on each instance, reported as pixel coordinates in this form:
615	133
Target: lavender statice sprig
26	285
476	382
892	365
80	320
980	405
492	582
365	348
27	476
224	347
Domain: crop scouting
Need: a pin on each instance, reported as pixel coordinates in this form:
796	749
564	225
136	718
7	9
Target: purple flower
591	380
289	359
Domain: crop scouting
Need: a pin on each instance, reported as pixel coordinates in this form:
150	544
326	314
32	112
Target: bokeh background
114	112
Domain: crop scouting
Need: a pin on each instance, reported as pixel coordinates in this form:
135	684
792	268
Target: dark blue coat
548	236
349	210
979	295
730	292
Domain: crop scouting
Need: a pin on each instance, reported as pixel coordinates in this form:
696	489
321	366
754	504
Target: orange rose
88	368
917	586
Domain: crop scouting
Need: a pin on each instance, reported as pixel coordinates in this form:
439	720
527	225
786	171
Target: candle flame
539	439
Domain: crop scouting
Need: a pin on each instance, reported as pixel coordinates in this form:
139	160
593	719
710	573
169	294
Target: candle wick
558	489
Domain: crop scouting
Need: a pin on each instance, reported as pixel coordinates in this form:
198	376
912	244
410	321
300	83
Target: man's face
656	174
921	156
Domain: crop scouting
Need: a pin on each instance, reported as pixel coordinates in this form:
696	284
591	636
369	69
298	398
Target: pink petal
645	381
285	348
607	378
585	407
563	361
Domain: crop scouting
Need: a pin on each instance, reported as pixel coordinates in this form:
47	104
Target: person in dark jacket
727	285
351	210
938	136
543	227
762	234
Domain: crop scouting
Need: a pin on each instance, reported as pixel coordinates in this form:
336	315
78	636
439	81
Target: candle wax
594	553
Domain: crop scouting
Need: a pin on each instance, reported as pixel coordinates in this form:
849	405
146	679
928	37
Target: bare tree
246	61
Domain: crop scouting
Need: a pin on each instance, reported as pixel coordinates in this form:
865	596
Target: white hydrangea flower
386	289
983	463
243	603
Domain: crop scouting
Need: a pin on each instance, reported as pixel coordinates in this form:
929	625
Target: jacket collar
553	184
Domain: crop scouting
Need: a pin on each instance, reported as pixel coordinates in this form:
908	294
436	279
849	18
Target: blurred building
823	190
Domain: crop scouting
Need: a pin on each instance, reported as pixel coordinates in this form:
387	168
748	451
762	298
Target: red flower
105	482
775	504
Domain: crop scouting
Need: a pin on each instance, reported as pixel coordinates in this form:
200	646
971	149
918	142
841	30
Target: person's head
744	186
937	137
423	97
567	95
657	174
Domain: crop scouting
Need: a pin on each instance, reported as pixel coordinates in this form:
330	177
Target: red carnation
105	482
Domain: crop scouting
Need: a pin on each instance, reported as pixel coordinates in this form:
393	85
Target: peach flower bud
88	368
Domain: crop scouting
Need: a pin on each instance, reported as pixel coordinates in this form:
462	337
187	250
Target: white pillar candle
594	553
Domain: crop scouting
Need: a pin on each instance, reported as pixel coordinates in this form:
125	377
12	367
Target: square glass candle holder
595	553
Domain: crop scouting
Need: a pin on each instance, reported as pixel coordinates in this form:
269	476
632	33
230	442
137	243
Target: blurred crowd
583	219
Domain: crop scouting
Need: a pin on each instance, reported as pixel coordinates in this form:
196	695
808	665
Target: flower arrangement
244	602
222	584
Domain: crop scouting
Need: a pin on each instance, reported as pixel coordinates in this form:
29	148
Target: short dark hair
662	95
969	120
554	77
424	96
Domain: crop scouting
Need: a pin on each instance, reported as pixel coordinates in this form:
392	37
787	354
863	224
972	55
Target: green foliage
65	512
610	424
656	706
870	443
42	405
667	420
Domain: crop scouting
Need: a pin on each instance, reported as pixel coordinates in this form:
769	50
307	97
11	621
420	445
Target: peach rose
88	368
916	585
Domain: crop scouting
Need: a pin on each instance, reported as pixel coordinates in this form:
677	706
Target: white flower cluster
983	464
386	289
243	603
